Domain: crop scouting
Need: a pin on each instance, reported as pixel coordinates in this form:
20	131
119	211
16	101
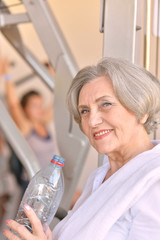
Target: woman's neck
118	159
40	129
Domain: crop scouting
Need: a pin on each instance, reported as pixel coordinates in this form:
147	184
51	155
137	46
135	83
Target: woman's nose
95	119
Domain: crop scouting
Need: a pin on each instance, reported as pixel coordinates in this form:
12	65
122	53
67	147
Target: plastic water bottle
43	194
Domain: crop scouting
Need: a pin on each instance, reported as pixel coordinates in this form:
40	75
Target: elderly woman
115	104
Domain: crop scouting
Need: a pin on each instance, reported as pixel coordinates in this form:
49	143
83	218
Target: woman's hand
38	233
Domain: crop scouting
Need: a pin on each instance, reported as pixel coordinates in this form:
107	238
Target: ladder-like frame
72	143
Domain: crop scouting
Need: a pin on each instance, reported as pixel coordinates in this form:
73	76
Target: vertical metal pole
120	28
148	35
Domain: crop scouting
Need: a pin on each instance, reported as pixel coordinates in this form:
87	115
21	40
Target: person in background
32	119
115	104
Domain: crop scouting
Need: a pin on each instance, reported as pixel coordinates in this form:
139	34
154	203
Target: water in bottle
43	194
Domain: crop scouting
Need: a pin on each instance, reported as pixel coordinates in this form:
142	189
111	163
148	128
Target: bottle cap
58	160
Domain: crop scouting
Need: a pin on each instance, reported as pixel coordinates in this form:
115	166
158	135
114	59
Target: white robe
97	211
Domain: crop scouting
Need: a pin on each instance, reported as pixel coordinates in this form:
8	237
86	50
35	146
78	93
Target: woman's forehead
97	88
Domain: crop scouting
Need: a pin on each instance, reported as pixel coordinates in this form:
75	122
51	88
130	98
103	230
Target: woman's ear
144	118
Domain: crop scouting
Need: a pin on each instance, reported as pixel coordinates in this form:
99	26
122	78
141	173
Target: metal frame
72	143
119	26
17	142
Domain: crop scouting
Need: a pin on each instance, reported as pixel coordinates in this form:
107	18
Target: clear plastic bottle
43	194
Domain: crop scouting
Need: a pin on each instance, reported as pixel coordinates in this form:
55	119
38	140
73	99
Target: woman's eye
107	104
84	111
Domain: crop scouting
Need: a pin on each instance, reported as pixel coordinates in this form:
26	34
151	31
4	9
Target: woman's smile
101	134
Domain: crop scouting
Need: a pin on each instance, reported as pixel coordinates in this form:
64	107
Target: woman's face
34	109
110	127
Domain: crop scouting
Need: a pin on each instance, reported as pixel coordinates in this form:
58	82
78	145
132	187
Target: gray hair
136	88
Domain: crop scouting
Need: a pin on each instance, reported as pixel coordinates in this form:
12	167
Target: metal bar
10	19
18	143
157	38
13	36
102	12
120	28
148	35
39	69
24	79
54	44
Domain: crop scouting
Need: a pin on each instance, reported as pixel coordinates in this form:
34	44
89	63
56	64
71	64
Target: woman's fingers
36	225
48	234
23	232
34	220
17	228
9	235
